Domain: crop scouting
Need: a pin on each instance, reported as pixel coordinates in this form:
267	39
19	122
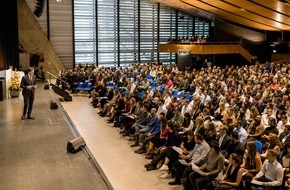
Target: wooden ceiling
269	15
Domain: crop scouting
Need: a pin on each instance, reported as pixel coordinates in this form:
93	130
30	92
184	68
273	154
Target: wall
254	40
32	38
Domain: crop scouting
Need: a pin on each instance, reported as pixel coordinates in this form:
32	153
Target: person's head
272	155
214	146
30	71
223	129
198	138
272	121
235	159
239	124
161	115
190	135
251	147
258	119
161	101
234	136
287	129
284	118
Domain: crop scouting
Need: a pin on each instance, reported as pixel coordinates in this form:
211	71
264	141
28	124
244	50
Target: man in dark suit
28	84
223	138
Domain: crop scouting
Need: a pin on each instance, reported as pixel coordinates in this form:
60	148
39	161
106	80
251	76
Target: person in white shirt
204	97
266	116
196	98
197	157
150	92
167	99
161	108
186	108
242	133
282	123
271	174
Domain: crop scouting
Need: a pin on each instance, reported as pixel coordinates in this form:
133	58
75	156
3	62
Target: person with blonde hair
271	175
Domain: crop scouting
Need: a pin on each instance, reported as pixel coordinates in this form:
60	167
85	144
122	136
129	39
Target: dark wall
9	34
254	40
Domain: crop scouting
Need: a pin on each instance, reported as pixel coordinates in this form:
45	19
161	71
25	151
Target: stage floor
33	152
124	168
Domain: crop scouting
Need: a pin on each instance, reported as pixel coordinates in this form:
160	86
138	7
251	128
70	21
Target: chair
81	86
111	85
180	94
187	96
86	82
89	87
149	78
141	94
259	146
175	93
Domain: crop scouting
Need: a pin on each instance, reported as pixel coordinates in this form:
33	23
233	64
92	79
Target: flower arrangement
15	81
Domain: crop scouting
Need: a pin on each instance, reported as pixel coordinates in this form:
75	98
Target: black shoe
174	182
22	117
134	145
152	167
147	165
29	117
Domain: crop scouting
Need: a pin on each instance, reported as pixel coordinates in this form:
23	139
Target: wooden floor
33	152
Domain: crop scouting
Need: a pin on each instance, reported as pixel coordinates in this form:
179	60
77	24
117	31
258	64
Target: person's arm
203	156
262	171
220	166
259	132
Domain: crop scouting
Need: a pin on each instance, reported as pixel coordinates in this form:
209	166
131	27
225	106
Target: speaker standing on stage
28	84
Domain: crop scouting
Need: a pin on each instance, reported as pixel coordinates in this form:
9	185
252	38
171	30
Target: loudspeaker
53	105
46	87
75	145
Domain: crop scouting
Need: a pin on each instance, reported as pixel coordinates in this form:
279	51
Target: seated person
172	154
271	174
252	163
173	139
41	73
144	129
214	164
233	176
197	157
235	146
154	132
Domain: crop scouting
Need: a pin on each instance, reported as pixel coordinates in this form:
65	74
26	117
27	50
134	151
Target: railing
57	78
231	47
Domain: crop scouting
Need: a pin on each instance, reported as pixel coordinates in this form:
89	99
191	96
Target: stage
33	152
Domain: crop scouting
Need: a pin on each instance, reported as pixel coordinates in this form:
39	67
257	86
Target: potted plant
14	86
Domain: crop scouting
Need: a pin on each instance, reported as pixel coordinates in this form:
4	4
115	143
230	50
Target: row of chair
85	86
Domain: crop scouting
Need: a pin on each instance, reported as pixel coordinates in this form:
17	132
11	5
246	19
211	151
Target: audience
228	107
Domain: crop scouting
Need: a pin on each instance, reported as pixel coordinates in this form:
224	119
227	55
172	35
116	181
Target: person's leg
201	182
180	171
192	182
30	105
26	100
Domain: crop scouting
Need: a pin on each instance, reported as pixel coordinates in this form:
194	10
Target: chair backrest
81	85
86	82
259	146
89	86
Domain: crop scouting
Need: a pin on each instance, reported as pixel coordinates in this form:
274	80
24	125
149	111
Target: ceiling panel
269	15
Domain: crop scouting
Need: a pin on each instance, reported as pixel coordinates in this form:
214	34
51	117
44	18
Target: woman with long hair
252	163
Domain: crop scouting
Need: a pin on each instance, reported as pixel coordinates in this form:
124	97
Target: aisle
124	169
